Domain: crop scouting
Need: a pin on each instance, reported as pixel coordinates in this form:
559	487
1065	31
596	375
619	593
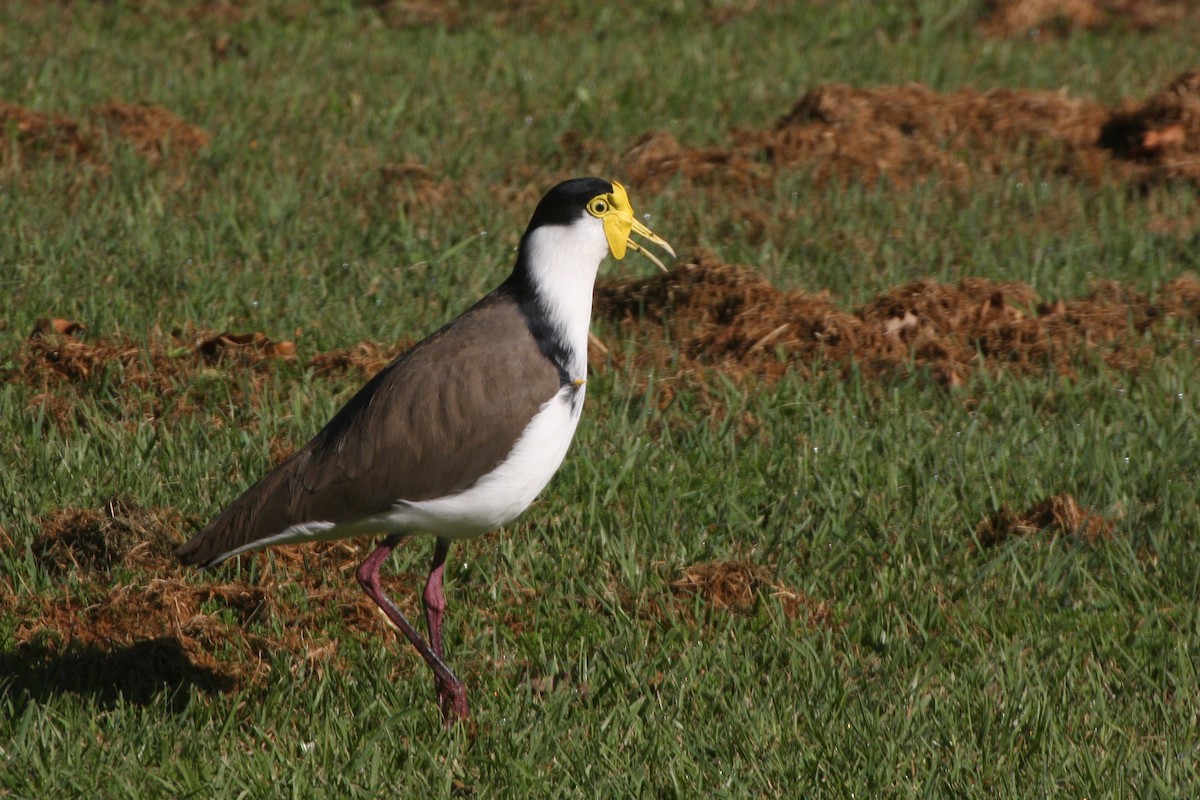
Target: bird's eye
598	206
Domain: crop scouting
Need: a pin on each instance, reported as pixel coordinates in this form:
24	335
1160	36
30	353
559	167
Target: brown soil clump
53	349
738	586
657	156
1181	298
1059	515
54	357
39	135
714	316
56	354
79	541
1161	137
84	638
1059	18
172	372
414	188
154	132
249	347
729	318
366	358
909	134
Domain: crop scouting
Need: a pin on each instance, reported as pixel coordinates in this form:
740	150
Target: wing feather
432	423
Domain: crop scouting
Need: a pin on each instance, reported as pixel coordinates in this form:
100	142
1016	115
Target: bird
460	433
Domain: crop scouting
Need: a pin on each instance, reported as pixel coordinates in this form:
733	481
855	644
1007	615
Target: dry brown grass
46	135
61	365
1058	18
154	132
702	316
1059	515
738	586
153	628
126	622
77	541
365	358
910	134
716	316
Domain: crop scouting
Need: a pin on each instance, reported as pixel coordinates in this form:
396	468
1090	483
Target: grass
1047	665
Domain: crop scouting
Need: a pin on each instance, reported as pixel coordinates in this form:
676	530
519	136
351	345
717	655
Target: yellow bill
619	226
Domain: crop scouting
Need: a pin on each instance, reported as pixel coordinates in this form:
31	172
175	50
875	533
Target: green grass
1040	667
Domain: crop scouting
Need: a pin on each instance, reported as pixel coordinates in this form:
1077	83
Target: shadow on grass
136	673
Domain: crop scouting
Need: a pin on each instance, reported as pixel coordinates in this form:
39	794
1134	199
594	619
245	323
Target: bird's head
581	201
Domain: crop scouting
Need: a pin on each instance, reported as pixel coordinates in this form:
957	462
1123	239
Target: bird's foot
452	699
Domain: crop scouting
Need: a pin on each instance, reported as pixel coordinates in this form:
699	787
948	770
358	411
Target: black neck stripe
548	339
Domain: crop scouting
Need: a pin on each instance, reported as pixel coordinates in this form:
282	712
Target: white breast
563	260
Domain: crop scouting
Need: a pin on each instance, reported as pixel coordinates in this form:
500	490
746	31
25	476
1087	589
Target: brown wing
432	423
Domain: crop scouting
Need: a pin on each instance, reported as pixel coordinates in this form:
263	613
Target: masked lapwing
458	435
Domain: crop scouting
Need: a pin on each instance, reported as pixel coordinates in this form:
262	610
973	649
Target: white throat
562	261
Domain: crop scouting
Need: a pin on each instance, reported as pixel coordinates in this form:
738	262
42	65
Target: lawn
887	489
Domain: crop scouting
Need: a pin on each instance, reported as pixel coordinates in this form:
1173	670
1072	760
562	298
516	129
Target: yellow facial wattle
614	210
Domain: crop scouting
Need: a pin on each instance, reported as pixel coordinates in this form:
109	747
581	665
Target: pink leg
435	605
452	695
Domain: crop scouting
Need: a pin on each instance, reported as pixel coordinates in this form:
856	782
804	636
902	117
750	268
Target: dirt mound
366	358
1057	18
58	362
1161	137
715	316
738	586
413	187
657	156
104	624
78	541
54	353
727	317
907	134
152	131
171	372
37	135
196	627
1059	515
53	350
242	347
